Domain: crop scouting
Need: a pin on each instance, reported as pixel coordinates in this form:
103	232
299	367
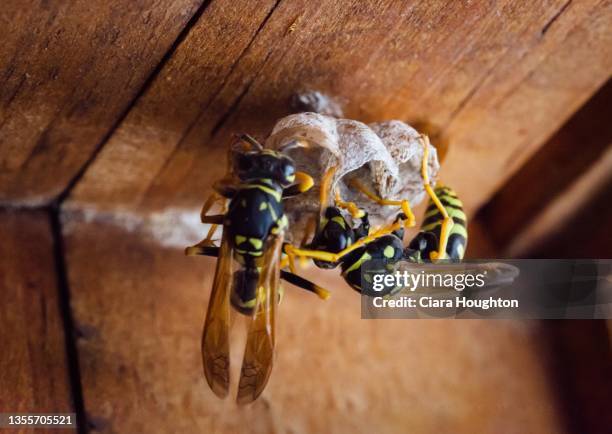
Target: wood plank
549	175
141	309
68	70
579	357
475	71
553	223
33	367
529	94
572	232
184	97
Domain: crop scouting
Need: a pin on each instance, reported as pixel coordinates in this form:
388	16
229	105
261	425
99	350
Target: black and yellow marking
245	300
386	250
257	211
432	224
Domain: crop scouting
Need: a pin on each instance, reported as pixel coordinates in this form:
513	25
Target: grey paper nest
384	156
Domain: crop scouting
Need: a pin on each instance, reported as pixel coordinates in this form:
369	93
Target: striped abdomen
457	240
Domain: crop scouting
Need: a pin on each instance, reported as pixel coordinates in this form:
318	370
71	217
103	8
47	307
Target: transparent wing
259	351
215	338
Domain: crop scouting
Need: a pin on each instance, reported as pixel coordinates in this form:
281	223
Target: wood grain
531	91
579	357
497	80
33	367
583	233
556	222
68	70
141	309
550	173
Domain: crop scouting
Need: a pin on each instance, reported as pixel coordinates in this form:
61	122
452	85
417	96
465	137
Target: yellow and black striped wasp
360	251
253	227
443	234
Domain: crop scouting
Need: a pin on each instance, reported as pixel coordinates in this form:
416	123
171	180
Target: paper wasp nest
385	156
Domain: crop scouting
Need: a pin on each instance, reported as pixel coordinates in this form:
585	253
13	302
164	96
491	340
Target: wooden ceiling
126	107
126	104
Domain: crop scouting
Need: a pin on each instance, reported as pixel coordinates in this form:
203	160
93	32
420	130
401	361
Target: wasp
253	225
443	234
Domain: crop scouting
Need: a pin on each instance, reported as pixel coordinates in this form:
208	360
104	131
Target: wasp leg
447	223
324	189
351	207
292	252
309	232
300	282
304	182
404	204
205	219
202	249
292	278
214	221
210	202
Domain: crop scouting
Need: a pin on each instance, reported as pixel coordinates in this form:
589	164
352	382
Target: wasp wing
259	350
215	338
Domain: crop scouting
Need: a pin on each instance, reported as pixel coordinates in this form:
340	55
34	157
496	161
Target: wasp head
265	164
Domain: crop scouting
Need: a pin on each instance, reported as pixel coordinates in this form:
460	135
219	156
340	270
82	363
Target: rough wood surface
33	368
140	310
579	358
583	233
496	80
568	156
68	70
587	195
531	91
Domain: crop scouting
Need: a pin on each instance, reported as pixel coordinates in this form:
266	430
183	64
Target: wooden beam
497	80
68	71
141	307
581	232
33	367
191	93
578	358
550	174
528	95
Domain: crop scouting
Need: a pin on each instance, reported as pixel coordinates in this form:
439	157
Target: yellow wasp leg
404	204
324	192
210	202
309	231
447	223
324	188
321	292
304	181
351	207
322	255
214	198
214	220
288	260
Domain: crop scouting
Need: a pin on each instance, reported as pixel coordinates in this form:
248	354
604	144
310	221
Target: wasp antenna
251	141
295	143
